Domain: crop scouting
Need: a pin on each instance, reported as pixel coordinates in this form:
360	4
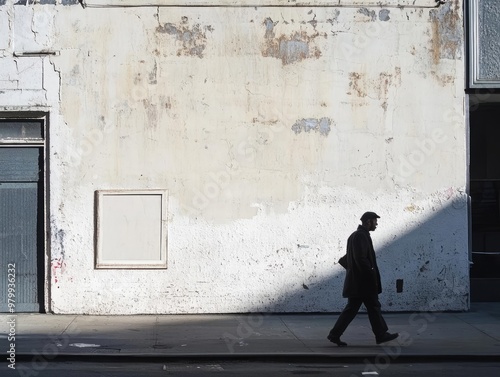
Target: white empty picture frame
131	229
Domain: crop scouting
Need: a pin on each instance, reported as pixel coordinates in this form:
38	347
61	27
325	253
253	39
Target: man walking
362	284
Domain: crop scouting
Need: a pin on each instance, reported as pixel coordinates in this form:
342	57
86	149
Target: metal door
21	233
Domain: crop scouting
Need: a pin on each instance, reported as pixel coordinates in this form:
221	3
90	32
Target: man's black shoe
387	337
336	340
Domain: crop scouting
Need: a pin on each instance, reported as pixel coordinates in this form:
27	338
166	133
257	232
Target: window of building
484	43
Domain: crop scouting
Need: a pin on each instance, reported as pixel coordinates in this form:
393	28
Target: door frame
480	289
43	236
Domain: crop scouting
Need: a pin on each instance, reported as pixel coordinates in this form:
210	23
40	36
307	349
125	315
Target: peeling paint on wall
193	39
58	251
57	263
153	75
443	79
371	14
335	17
383	15
378	88
289	49
57	268
386	81
311	124
446	39
356	84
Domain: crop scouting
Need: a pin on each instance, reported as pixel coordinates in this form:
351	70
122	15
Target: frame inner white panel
131	229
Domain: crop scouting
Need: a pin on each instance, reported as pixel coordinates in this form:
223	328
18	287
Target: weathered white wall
273	129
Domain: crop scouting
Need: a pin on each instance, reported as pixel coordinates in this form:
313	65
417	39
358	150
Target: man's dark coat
362	274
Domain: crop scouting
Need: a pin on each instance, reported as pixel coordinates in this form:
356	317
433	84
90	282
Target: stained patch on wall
383	15
356	84
413	208
387	80
446	40
57	263
377	87
443	79
193	39
59	241
153	75
57	266
424	266
371	14
289	49
322	126
334	18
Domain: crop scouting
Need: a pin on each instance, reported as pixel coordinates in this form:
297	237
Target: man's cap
369	215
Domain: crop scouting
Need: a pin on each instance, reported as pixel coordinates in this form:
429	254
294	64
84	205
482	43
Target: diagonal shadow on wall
426	268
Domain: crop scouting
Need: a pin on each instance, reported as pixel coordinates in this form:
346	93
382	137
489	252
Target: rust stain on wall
192	38
356	84
375	88
443	79
387	80
446	40
289	49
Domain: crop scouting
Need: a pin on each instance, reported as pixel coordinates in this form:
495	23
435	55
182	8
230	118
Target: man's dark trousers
372	304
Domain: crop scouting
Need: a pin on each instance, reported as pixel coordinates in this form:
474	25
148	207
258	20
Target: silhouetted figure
362	283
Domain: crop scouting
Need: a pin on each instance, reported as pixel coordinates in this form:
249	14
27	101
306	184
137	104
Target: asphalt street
256	368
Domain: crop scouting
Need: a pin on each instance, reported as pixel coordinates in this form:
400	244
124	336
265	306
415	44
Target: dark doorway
485	201
22	216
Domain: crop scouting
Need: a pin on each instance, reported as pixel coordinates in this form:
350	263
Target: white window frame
475	80
25	117
102	261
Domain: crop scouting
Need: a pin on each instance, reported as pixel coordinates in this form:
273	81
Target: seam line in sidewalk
296	337
477	328
68	326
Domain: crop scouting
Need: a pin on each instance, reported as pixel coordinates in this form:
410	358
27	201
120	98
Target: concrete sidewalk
472	334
